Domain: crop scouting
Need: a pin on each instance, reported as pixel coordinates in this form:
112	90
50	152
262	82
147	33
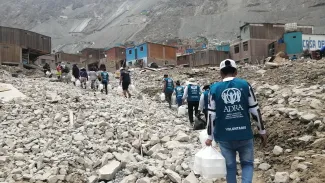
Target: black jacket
75	71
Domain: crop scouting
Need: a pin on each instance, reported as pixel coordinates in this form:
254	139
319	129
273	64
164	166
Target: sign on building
313	42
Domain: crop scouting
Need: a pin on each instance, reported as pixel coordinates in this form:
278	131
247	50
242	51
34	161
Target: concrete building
69	59
50	59
92	57
254	39
19	46
203	58
115	58
146	53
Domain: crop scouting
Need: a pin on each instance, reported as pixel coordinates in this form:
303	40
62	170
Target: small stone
302	167
58	117
48	154
173	144
136	144
174	177
38	112
154	149
129	179
306	138
27	176
294	175
165	139
319	143
161	156
78	137
92	179
281	177
191	179
19	156
316	104
264	166
277	150
144	180
108	171
4	159
52	179
308	117
288	150
182	137
154	140
106	157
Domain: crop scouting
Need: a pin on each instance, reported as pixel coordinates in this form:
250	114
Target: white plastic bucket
100	87
119	89
78	83
162	97
173	100
182	110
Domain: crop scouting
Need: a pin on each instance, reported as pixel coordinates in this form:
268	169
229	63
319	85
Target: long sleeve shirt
185	95
253	109
201	104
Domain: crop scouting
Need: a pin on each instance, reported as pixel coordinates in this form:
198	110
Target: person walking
204	101
125	80
192	94
230	104
93	78
105	79
59	71
83	78
75	73
179	92
168	89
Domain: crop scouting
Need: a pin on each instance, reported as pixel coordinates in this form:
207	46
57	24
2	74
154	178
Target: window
130	52
236	48
245	45
202	55
43	61
141	48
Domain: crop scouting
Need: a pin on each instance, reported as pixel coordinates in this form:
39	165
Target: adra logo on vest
232	96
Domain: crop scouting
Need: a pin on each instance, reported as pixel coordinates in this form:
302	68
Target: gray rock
129	179
319	143
308	117
316	104
154	140
281	177
173	144
58	117
154	149
144	180
136	144
294	175
165	139
182	137
306	138
277	150
264	166
109	171
174	177
106	157
92	179
78	137
4	159
191	179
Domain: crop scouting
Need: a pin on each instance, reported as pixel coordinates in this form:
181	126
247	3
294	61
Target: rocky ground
61	133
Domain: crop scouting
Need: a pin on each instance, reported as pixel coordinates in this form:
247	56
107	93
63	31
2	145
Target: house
50	59
69	59
203	58
18	46
254	39
92	57
145	53
115	58
297	42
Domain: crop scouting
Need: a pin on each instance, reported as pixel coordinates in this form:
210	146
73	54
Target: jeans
168	96
245	150
179	100
105	87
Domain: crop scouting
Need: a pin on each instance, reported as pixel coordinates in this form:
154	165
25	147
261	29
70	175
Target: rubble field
61	133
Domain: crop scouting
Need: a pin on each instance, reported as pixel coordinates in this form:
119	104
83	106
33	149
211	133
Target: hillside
76	24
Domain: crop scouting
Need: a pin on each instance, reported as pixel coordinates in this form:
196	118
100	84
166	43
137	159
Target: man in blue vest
204	101
192	94
168	89
230	104
179	92
322	51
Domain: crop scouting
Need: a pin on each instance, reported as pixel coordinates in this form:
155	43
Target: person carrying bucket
204	101
192	94
231	102
179	92
168	89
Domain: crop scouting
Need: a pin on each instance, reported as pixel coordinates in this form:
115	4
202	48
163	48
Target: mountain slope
75	24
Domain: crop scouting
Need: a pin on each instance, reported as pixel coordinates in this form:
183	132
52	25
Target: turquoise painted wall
293	41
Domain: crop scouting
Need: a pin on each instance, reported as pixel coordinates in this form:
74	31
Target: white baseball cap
228	62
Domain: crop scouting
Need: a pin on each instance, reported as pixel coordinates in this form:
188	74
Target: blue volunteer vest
179	90
169	85
232	120
104	76
193	93
206	99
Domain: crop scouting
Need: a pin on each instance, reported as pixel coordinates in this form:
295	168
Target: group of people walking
96	77
228	106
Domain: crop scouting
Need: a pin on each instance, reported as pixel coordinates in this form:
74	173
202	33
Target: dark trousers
191	105
105	87
168	96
